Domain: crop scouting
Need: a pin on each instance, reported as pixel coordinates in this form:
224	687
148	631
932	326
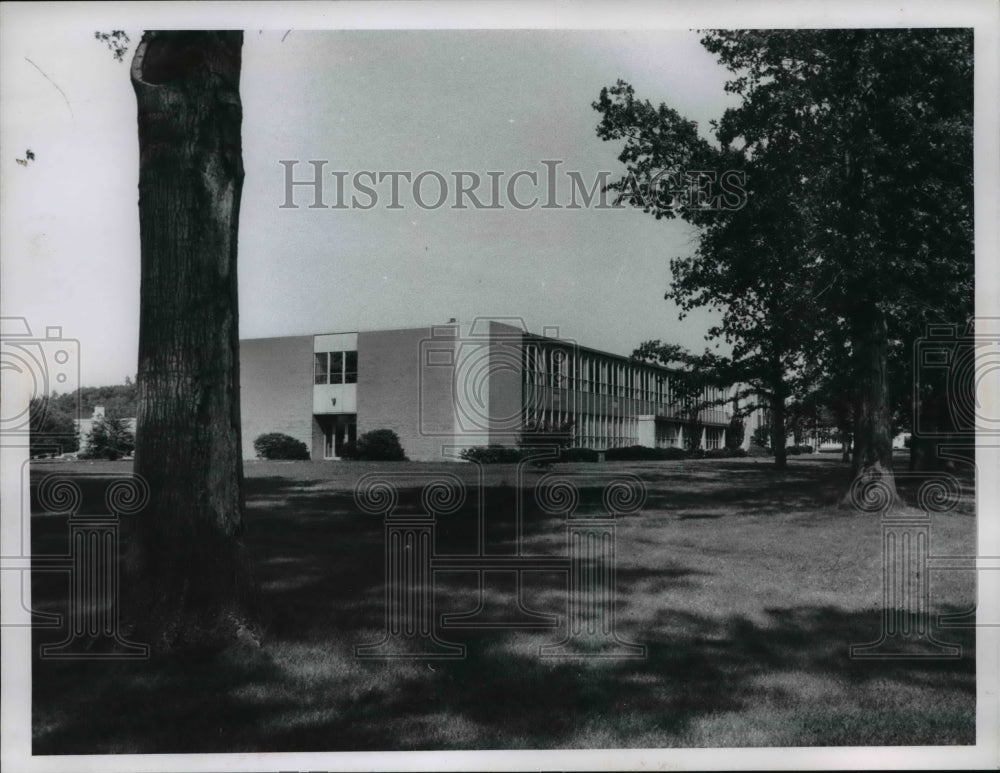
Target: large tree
876	128
752	264
189	577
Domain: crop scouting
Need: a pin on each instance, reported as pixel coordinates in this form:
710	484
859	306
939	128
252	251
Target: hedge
644	454
378	445
725	453
276	445
498	454
492	454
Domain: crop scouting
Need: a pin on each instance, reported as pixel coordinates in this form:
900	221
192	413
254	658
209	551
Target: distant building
442	391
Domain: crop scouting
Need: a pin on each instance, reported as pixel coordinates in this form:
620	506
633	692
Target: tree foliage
751	264
116	41
879	124
53	429
120	401
109	438
736	432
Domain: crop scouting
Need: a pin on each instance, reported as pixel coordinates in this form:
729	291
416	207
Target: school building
447	387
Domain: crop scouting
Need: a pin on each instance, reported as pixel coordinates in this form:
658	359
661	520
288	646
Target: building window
557	371
322	367
336	367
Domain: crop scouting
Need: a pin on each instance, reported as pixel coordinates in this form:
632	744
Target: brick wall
276	389
399	390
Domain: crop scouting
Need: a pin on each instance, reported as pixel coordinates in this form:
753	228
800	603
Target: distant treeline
120	401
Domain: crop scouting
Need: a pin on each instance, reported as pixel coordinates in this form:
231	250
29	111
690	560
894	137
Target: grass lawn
747	586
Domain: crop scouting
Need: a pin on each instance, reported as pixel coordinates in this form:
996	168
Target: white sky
362	100
381	100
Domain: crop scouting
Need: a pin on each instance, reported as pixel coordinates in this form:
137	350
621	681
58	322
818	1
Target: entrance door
346	432
343	429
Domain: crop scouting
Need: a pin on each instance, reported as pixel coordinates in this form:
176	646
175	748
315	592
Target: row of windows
667	435
601	432
595	432
336	367
562	369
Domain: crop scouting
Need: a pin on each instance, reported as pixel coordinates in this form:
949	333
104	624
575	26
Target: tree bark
778	429
871	463
779	393
695	429
190	580
842	419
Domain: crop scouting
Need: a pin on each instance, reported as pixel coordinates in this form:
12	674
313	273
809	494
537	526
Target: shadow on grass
794	670
707	680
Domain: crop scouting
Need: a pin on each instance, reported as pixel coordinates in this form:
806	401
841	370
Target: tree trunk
871	464
190	580
695	430
842	418
778	429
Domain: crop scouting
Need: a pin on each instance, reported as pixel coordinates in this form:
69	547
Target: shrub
579	455
642	453
792	450
492	454
349	450
380	445
758	451
630	454
725	453
498	454
805	449
276	445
